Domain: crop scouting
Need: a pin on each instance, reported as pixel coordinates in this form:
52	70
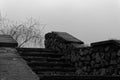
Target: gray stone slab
68	38
106	42
13	67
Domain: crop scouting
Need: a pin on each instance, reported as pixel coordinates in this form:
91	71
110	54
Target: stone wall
62	42
12	66
101	58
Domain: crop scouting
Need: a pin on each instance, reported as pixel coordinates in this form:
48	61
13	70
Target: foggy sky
88	20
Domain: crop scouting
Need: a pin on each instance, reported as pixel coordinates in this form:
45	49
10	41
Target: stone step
34	50
49	64
42	54
48	59
49	69
48	73
79	77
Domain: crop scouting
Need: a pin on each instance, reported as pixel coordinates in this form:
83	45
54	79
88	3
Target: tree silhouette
28	32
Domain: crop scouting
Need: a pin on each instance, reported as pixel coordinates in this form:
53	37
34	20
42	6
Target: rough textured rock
101	58
62	42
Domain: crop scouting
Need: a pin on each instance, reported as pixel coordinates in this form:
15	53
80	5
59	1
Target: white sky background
88	20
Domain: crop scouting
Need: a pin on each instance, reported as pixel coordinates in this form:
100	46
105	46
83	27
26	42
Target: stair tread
54	68
49	72
70	77
32	57
45	59
54	73
35	50
45	62
52	53
41	54
49	64
39	70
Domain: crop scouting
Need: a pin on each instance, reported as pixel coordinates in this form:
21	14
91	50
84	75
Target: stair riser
54	70
42	55
47	65
45	59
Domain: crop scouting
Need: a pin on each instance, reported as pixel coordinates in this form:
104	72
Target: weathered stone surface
13	67
61	40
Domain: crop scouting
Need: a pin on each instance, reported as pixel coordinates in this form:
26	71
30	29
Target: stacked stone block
105	58
62	42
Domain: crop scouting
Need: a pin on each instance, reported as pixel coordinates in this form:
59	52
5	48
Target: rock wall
101	58
62	42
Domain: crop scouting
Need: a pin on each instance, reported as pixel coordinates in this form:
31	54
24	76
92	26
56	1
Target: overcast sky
88	20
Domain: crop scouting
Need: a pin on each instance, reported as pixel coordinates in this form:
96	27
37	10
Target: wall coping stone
68	38
106	42
7	41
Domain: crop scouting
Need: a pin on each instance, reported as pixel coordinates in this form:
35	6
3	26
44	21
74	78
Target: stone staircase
46	63
51	63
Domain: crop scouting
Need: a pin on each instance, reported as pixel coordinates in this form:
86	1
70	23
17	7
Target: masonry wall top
68	38
7	41
115	42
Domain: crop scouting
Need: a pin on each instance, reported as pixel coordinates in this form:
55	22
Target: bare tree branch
24	32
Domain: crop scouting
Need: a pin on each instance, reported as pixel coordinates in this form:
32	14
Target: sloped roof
116	42
68	38
7	41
